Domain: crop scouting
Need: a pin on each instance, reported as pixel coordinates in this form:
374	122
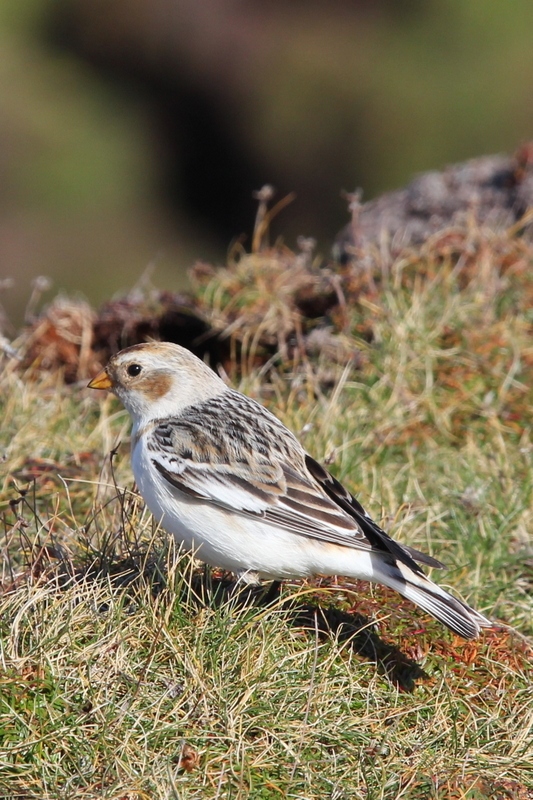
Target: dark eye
133	370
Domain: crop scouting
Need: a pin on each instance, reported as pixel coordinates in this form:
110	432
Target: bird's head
157	380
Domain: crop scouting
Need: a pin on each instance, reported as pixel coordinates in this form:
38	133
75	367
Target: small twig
264	195
308	706
219	787
265	217
40	285
8	349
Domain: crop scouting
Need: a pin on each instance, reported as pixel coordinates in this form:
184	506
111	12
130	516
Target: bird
232	483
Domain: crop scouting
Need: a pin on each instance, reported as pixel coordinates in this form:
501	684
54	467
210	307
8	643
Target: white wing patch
224	484
249	463
290	502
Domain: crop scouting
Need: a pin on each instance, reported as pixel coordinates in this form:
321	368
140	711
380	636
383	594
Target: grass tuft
127	671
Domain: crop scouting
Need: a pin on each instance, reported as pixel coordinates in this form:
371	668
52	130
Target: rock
491	190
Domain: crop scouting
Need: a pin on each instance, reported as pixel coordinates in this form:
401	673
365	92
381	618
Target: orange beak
101	381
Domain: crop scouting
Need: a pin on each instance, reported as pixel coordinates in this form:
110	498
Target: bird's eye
133	370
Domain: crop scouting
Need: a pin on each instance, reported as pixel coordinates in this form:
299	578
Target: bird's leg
271	594
267	597
243	590
207	583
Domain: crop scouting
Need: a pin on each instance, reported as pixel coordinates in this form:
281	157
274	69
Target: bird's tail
415	586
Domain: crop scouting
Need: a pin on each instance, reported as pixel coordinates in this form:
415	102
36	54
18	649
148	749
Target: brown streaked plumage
229	480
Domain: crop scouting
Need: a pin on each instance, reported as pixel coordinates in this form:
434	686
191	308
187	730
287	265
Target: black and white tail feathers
395	565
415	586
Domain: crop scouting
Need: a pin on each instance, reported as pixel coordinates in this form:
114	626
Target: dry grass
127	673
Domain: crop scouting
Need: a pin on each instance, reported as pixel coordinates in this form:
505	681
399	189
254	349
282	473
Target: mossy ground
126	672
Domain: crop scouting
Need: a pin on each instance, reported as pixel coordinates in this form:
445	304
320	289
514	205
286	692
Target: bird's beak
101	381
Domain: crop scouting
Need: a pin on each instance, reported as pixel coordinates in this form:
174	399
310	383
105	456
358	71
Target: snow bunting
231	482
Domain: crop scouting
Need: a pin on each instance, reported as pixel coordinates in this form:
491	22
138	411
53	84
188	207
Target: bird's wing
246	481
377	537
284	487
286	501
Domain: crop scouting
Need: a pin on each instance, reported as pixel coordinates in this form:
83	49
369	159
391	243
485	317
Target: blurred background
133	132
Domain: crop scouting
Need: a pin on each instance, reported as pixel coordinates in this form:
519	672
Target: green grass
117	652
